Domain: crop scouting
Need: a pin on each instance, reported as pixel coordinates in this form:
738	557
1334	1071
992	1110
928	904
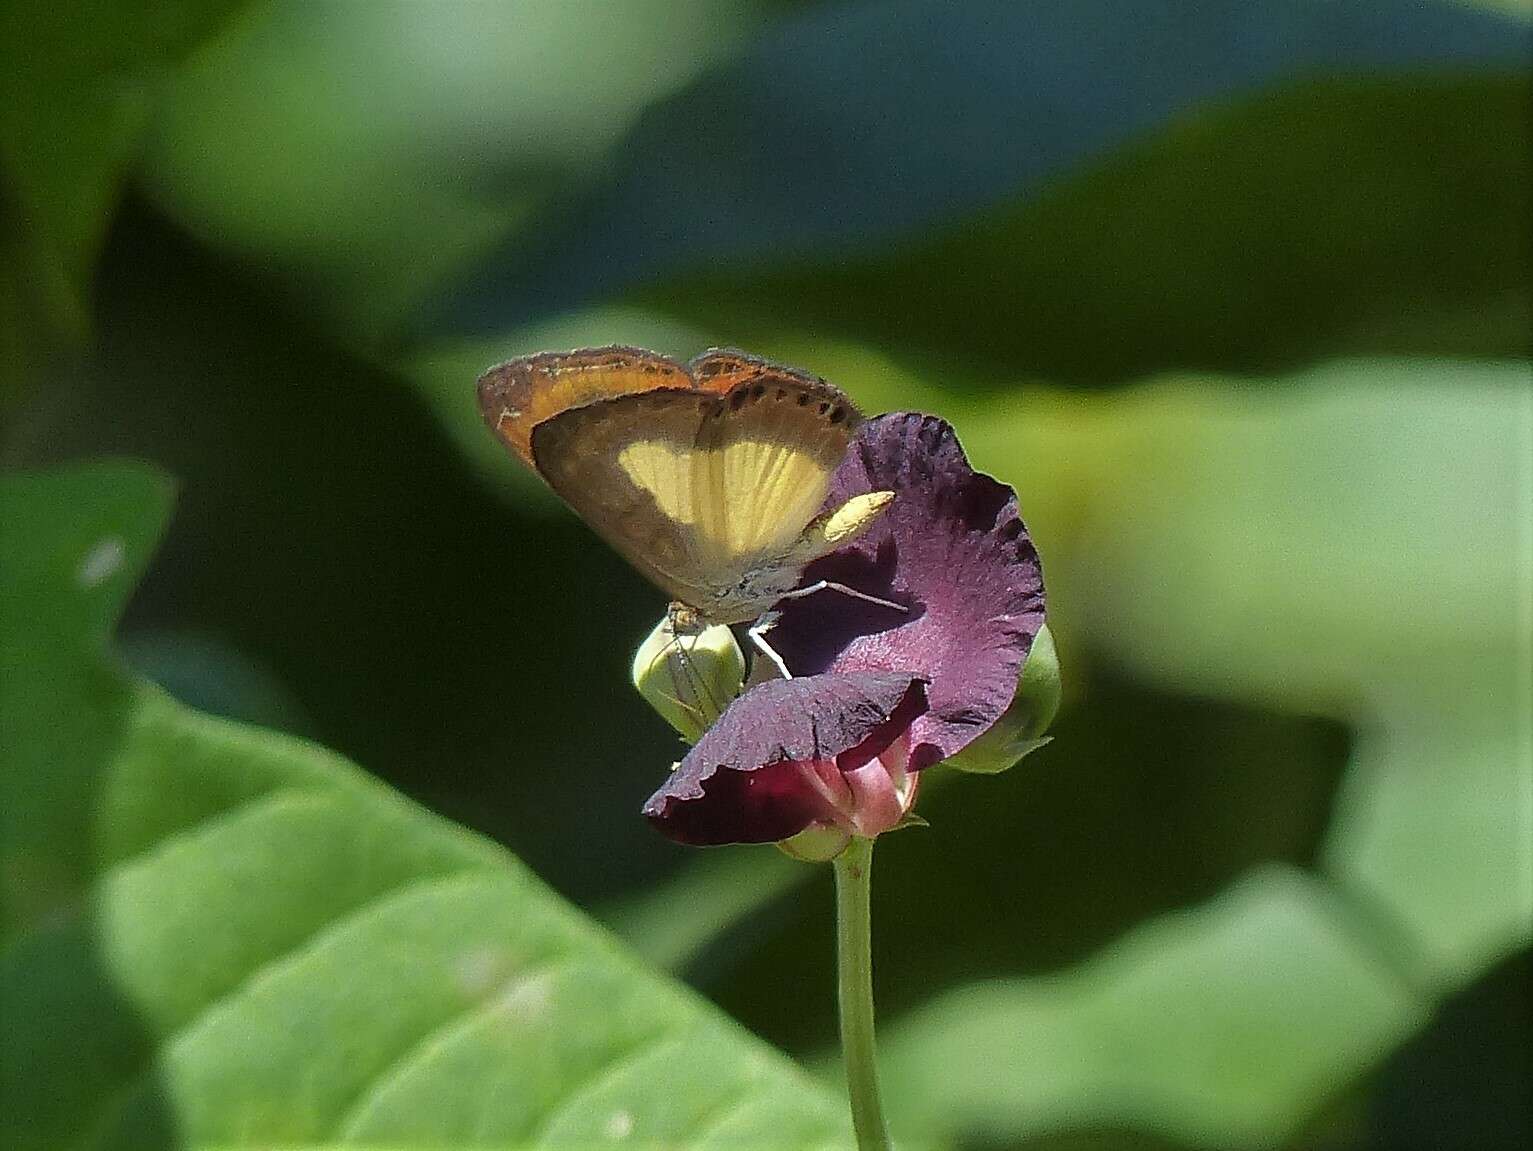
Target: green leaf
1354	544
362	152
672	922
1227	1026
1523	8
1224	240
1029	190
220	935
1328	541
1434	822
62	710
78	84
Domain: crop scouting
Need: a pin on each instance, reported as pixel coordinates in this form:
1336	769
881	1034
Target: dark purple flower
786	754
877	693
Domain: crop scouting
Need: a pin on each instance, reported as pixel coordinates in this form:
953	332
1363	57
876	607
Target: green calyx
1021	729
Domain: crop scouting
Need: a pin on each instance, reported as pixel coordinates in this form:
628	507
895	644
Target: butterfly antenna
831	585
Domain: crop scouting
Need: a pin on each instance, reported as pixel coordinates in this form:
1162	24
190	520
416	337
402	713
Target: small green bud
689	678
1020	730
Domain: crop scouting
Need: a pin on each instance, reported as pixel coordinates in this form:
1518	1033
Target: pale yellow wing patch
744	499
664	470
625	466
767	464
750	483
757	495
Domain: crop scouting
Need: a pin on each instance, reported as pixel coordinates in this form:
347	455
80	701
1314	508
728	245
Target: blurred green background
1237	296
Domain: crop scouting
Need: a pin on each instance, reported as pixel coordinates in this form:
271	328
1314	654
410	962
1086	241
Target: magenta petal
953	547
743	781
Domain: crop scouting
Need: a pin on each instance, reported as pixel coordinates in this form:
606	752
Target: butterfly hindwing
767	453
699	488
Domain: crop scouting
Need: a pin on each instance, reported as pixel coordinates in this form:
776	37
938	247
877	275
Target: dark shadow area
72	1041
1467	1080
327	531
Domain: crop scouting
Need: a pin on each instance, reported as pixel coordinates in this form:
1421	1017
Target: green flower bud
1020	730
689	678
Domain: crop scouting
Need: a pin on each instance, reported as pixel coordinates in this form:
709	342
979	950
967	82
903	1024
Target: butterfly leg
831	585
757	631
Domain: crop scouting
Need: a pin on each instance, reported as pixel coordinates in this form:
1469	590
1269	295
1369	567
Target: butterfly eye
838	415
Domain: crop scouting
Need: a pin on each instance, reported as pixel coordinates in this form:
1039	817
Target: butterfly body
708	477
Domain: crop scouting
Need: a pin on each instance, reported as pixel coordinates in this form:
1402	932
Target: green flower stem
854	960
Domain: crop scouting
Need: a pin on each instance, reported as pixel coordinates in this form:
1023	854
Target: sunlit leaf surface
220	935
1223	1027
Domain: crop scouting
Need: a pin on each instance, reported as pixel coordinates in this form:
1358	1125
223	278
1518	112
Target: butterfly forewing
517	396
625	465
697	489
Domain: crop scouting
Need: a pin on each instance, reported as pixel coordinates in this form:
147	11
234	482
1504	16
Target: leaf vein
212	821
272	968
644	1049
436	1039
721	1113
262	972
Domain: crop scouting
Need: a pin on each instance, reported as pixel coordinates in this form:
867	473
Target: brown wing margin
520	394
722	369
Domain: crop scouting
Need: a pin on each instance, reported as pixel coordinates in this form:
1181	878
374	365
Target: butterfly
708	476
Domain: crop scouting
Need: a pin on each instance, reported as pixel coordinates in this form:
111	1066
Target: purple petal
954	549
743	782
